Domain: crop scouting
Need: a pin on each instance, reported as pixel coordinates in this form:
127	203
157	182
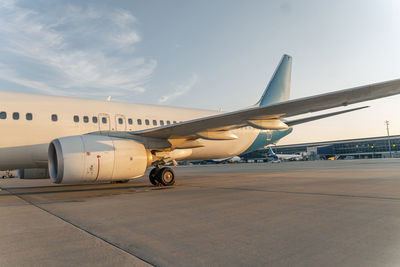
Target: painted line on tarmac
303	193
80	228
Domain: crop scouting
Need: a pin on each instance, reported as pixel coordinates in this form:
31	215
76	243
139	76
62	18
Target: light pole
387	130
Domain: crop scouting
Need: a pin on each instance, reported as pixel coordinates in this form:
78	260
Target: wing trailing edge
318	117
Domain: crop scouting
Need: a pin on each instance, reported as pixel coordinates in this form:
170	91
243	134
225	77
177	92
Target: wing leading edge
236	119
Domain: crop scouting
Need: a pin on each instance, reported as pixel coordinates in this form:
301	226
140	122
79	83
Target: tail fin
278	88
272	153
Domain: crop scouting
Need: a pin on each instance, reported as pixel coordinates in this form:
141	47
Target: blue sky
205	54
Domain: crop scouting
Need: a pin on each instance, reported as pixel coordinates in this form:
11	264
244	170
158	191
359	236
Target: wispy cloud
180	89
72	49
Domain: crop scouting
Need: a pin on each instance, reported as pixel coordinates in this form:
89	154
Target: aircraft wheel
166	176
153	176
122	181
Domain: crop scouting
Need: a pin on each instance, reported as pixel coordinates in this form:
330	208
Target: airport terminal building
374	147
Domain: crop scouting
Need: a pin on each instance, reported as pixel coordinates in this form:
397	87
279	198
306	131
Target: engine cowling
95	158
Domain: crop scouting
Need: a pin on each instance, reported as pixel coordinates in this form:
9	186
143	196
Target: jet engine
95	158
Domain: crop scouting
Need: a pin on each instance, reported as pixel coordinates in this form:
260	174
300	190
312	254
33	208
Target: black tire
153	176
121	181
166	176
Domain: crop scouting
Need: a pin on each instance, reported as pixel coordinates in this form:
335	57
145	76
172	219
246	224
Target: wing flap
318	117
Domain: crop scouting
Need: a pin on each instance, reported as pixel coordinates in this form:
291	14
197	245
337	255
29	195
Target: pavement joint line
80	228
304	193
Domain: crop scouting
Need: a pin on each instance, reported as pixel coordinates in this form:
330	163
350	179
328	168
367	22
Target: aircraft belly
22	156
223	149
24	146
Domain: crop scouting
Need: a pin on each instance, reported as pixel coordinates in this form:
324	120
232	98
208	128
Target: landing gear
153	176
164	176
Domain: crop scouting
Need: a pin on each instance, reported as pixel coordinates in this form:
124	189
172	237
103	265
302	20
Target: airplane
279	157
97	141
233	159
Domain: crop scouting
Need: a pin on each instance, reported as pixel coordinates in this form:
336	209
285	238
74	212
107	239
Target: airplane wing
313	118
231	120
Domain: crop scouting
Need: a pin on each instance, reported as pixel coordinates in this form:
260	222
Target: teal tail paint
278	88
267	138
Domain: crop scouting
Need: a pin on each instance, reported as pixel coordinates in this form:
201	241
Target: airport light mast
387	130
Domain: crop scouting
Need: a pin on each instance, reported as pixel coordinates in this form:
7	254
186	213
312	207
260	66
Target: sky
205	54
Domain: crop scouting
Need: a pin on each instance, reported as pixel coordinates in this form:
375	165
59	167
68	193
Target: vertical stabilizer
278	88
272	153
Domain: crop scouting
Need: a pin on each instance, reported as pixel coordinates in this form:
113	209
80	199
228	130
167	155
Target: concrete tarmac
321	213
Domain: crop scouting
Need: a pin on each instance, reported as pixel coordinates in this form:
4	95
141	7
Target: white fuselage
288	156
33	121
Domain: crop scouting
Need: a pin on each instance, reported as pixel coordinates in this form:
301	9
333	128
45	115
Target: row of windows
54	117
121	121
155	122
15	116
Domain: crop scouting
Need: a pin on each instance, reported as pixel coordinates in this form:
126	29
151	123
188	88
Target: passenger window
154	122
3	115
16	116
94	119
76	118
29	116
54	117
161	122
168	122
120	121
104	120
147	122
130	121
139	122
85	119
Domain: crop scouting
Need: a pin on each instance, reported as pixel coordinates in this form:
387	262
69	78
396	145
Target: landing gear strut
164	176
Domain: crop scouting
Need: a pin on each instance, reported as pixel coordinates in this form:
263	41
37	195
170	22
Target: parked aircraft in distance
89	141
234	159
280	157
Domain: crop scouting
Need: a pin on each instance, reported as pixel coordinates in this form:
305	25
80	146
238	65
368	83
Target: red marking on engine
88	153
98	156
98	167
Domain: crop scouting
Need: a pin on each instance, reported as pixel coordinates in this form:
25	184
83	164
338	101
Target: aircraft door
120	122
104	122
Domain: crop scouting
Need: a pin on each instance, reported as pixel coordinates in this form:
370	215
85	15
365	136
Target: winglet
278	88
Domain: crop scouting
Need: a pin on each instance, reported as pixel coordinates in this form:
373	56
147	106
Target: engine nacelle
95	158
